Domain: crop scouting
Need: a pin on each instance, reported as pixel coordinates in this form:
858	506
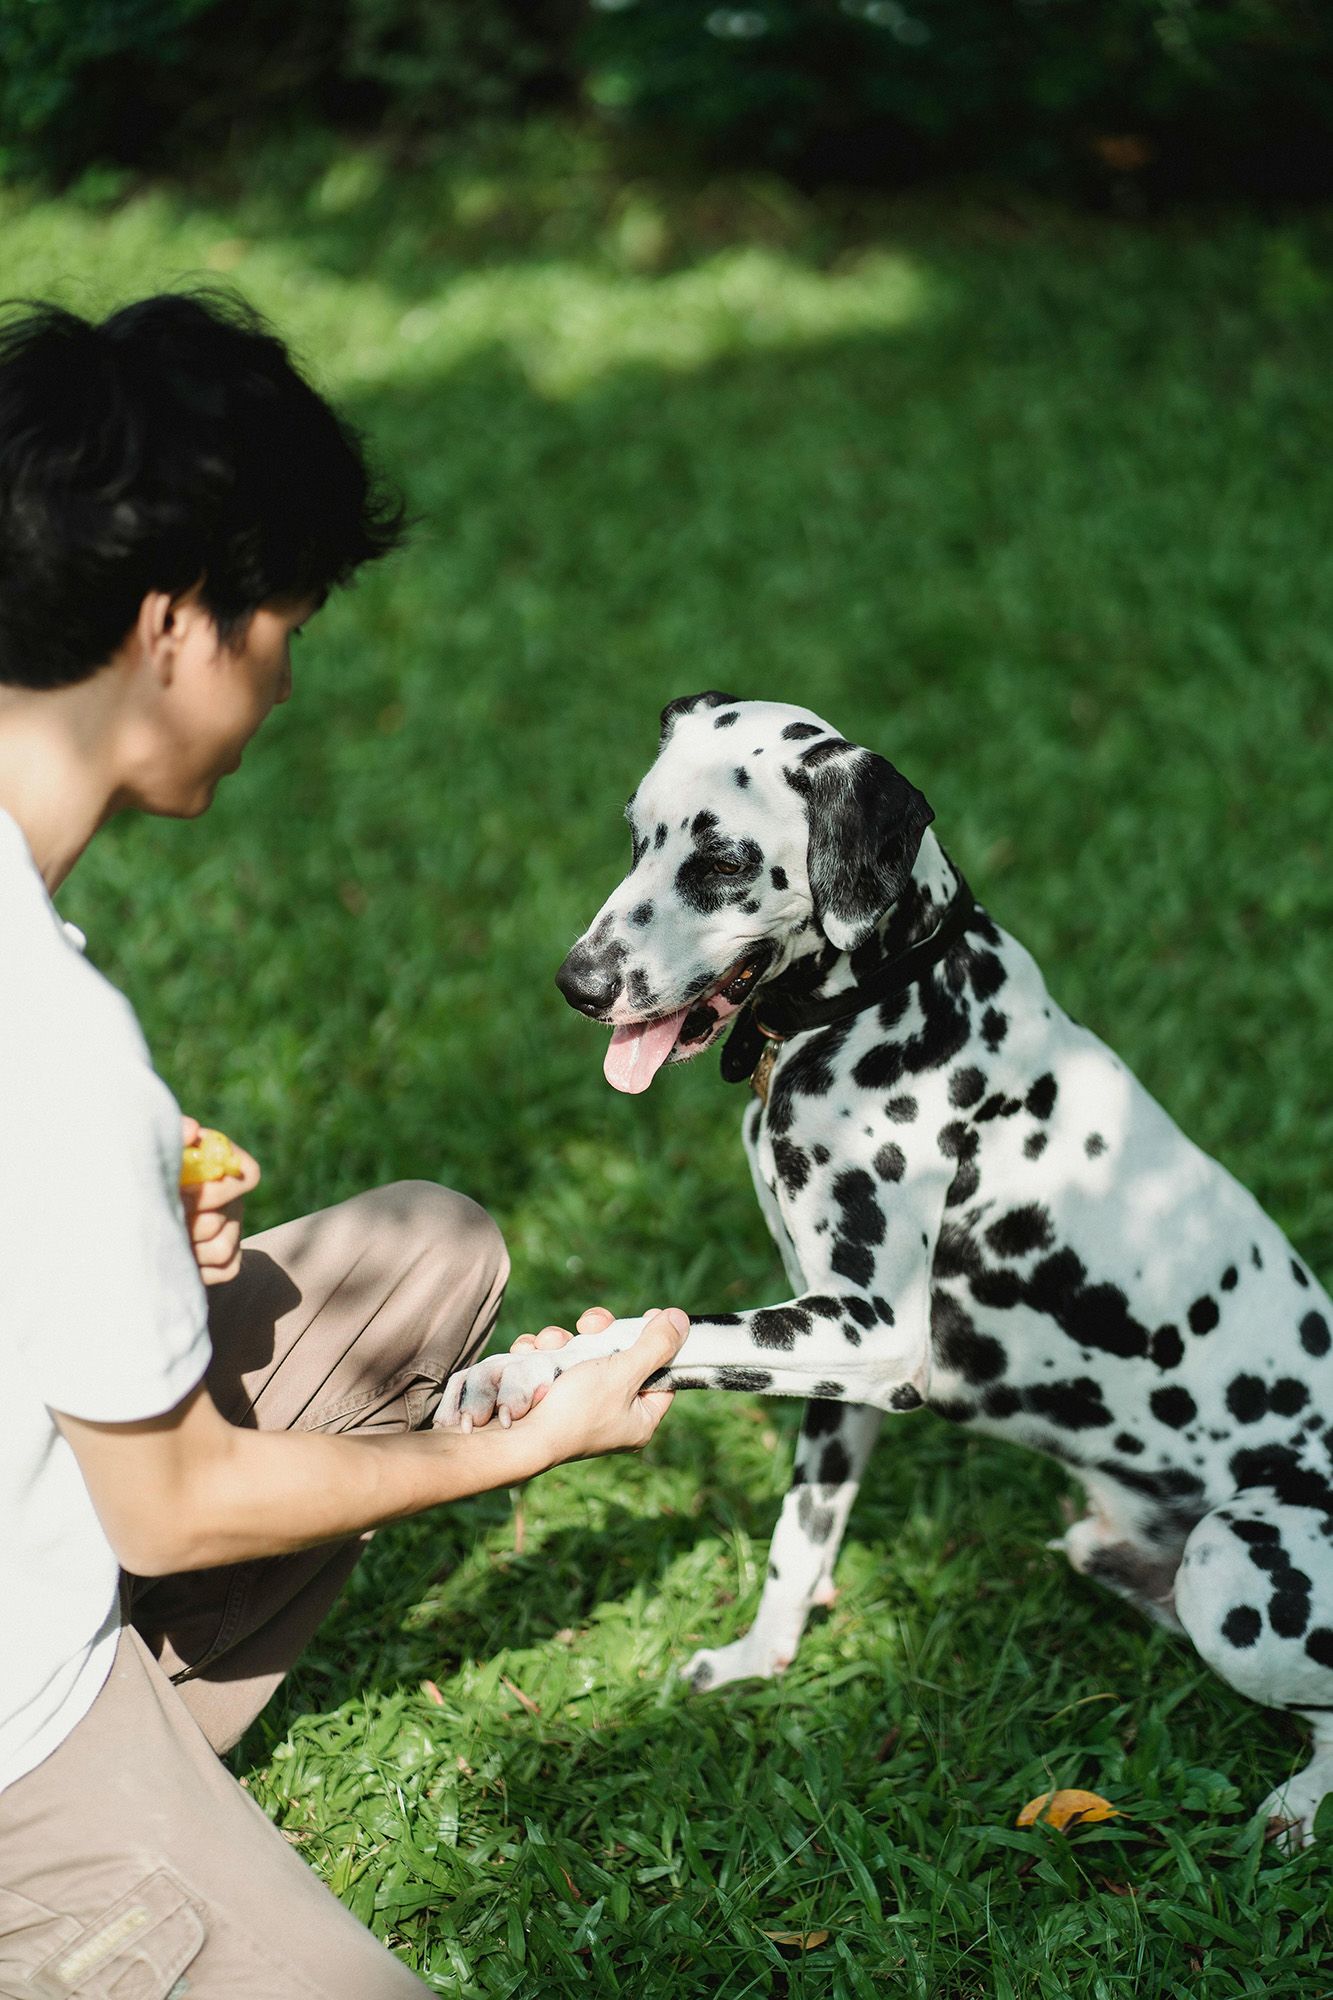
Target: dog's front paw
501	1386
715	1667
1290	1810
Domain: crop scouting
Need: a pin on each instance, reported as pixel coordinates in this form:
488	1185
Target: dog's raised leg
835	1442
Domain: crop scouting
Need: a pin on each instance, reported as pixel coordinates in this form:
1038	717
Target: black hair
174	444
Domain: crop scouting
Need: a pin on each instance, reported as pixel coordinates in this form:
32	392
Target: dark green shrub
875	89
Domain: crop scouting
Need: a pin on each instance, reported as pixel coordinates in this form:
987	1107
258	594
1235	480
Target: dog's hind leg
835	1442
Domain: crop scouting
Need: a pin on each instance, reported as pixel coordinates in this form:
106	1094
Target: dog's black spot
820	1418
660	836
1125	1441
986	973
741	777
1035	1145
820	753
1021	1231
1230	1278
1040	1099
827	1389
1002	1401
822	1305
905	1397
725	721
754	1379
640	993
862	1217
778	1326
806	1071
1094	1144
953	1409
890	1163
1242	1625
902	1110
959	1347
1315	1334
1203	1315
641	914
1289	1608
966	1087
795	731
1255	1258
749	908
1075	1406
1319	1645
835	1465
1173	1483
702	823
1093	1315
1174	1407
1275	1465
994	1028
778	877
861	1311
1247	1399
820	1155
793	1165
1000	1289
956	1252
997	1105
1298	1274
1167	1348
883	1310
1287	1396
816	1520
854	1262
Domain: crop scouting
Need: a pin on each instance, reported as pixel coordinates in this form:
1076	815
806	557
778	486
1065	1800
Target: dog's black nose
591	989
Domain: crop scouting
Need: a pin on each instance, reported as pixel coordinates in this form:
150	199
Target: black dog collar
751	1047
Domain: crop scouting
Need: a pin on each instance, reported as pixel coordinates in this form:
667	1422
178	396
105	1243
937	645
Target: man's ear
684	704
865	828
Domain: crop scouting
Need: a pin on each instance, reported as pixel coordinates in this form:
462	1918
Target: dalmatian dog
979	1208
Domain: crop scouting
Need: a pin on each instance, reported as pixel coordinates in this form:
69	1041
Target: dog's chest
1098	1288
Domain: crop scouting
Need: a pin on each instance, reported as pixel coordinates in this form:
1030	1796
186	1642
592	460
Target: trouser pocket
136	1949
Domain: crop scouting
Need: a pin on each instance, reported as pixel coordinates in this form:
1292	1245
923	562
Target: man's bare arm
188	1490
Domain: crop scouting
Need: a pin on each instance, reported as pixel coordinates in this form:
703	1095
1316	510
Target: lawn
1039	505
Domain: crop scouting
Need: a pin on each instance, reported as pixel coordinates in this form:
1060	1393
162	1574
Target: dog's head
759	835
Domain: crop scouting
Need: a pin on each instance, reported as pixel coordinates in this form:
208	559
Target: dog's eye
726	867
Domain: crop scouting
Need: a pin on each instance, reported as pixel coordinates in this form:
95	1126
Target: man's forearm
190	1491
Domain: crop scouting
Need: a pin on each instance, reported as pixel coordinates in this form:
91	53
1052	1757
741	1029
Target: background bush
1177	95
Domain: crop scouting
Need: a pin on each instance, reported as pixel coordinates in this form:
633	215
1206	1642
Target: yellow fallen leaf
211	1158
800	1940
1066	1810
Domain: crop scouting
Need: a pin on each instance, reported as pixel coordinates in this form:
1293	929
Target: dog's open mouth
639	1050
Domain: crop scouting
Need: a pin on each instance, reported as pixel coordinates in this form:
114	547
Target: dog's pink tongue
636	1054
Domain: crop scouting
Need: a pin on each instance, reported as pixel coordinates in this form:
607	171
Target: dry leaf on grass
799	1940
1067	1810
432	1693
523	1700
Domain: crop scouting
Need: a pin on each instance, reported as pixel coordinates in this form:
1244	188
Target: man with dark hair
196	1434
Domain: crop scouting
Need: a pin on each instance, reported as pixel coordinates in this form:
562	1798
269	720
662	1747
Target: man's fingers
661	1340
594	1319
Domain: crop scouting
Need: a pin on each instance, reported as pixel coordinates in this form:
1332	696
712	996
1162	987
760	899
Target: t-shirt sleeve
100	1289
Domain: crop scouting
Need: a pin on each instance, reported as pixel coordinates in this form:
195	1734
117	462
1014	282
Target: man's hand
213	1214
602	1405
510	1386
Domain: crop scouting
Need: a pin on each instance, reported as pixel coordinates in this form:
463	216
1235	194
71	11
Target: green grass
1041	507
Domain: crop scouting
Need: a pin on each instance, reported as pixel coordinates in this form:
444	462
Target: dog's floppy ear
685	703
866	823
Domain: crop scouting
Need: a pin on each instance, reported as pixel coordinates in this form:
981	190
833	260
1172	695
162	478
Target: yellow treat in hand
211	1158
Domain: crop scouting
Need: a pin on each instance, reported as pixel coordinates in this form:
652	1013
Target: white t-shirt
102	1311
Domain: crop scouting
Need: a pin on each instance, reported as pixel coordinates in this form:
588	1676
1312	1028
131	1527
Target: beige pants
132	1865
